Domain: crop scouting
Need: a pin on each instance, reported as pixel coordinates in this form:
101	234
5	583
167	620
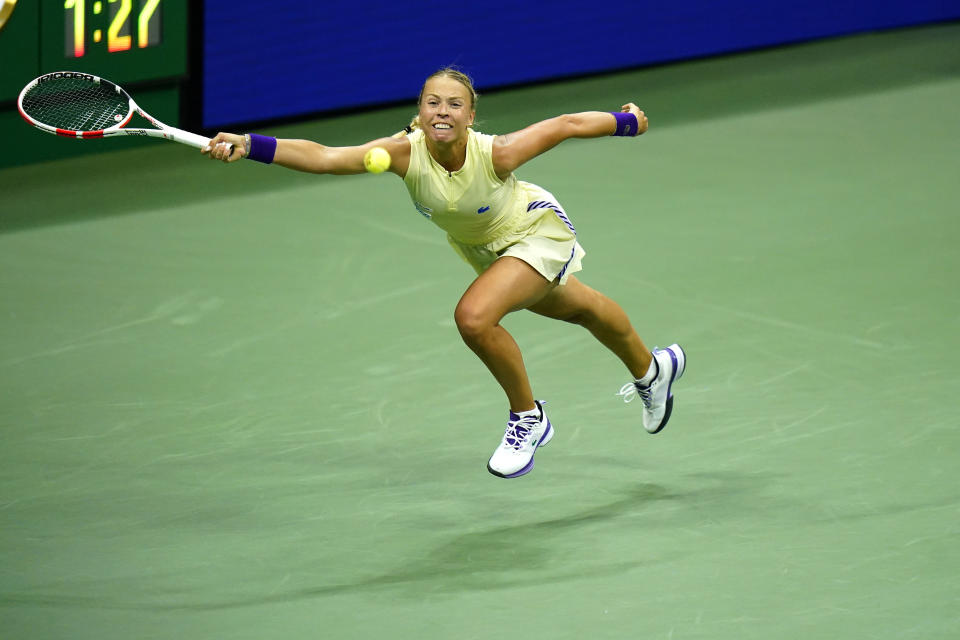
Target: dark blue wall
265	60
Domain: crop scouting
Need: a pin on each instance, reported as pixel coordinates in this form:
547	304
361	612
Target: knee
471	322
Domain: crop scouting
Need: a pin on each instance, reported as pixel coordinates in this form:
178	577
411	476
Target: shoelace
518	432
630	392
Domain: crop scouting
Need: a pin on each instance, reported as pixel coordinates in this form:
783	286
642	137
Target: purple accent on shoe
544	438
527	469
673	376
680	371
673	357
513	417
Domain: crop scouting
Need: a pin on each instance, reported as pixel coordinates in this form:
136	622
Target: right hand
220	148
642	121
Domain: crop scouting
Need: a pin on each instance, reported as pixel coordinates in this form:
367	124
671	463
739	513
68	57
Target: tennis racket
80	105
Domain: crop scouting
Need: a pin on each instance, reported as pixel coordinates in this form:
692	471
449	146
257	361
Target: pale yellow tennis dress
485	217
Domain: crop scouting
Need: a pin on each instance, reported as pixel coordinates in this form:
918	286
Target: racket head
75	105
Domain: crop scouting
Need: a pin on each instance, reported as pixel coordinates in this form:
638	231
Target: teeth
442	126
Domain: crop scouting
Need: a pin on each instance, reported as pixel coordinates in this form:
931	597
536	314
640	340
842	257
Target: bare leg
508	285
577	303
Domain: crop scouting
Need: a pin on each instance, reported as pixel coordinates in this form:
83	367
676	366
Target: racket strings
76	105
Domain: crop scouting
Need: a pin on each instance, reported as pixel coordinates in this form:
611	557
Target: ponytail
410	128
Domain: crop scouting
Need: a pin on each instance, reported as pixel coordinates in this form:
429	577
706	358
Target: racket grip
192	139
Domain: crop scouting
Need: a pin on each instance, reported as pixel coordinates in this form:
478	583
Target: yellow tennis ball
377	160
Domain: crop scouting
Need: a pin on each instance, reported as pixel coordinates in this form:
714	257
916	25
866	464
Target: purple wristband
262	148
627	124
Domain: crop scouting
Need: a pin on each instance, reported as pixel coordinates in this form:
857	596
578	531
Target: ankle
653	370
535	412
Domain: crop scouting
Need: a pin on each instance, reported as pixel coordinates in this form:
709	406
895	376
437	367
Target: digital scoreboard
128	25
126	41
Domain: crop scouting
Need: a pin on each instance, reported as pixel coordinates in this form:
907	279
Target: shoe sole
547	436
679	366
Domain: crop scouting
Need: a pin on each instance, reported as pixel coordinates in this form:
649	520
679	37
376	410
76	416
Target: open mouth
442	126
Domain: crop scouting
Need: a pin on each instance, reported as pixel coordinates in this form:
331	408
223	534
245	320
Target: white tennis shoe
514	456
658	396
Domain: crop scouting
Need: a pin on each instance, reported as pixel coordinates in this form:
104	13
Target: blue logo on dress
483	209
424	210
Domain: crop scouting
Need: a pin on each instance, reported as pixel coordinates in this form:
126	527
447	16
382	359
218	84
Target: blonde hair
447	72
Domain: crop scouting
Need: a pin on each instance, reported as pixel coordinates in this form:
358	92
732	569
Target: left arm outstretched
512	150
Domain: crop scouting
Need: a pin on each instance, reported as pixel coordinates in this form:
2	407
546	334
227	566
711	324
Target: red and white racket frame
162	130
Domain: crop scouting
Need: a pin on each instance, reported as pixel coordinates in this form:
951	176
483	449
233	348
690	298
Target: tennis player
515	235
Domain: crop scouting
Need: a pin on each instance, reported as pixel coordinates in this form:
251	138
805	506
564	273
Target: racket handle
192	139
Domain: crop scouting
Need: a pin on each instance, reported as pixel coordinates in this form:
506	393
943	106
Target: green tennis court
235	404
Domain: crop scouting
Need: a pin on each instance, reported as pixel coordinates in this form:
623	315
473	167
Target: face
445	110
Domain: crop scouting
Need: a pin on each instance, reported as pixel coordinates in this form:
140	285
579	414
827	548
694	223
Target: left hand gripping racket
80	105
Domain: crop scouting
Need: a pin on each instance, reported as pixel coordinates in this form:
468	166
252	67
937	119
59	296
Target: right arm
512	150
313	157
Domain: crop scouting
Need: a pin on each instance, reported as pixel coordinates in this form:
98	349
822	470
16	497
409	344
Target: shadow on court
549	551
